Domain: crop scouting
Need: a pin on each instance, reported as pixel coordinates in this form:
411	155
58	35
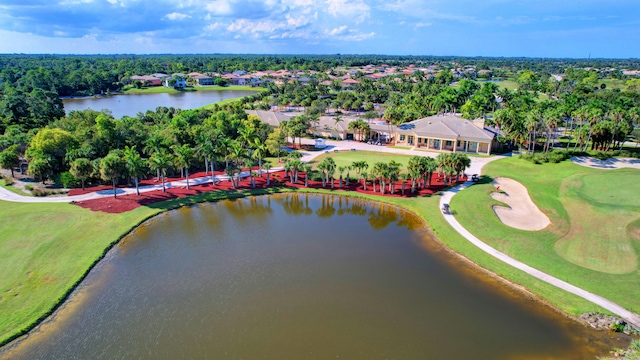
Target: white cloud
421	25
358	36
355	9
336	31
212	27
219	7
177	16
257	28
297	21
74	2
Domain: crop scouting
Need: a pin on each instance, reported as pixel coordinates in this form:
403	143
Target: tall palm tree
394	174
259	151
460	163
154	144
379	172
135	164
365	177
266	166
341	170
307	170
161	161
238	155
594	116
184	155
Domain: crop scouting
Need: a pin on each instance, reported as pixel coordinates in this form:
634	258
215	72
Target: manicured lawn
346	158
594	239
46	249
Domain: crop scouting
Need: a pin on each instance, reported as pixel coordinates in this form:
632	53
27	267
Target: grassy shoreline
108	229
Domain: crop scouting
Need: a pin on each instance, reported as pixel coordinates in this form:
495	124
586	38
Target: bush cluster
66	180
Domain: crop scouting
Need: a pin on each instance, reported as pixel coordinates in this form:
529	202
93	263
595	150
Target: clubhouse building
446	133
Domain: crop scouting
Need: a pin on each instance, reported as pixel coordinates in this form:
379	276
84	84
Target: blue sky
531	28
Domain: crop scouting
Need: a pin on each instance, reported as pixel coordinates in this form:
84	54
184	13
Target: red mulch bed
129	202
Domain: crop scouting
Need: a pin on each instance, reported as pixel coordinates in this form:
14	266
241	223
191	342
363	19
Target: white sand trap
609	164
522	213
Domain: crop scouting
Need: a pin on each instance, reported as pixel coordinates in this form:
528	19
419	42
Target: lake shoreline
164	90
223	195
172	205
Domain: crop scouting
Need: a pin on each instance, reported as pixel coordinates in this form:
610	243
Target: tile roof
448	127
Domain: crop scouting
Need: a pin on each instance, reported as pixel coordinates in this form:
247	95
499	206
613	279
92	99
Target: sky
527	28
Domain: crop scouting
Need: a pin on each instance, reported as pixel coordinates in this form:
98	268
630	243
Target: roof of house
449	127
269	117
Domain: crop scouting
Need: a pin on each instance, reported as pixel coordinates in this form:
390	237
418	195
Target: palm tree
183	158
231	172
307	170
259	152
155	143
404	177
135	165
161	161
594	116
347	178
322	166
394	174
365	177
460	163
266	166
416	169
341	170
430	166
379	171
237	154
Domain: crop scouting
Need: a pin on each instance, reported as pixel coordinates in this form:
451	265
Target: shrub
616	327
315	175
66	180
29	187
557	156
8	181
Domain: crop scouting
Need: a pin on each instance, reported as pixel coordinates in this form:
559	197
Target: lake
297	276
132	104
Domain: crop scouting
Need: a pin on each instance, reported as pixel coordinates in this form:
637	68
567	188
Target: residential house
176	80
147	80
446	133
202	80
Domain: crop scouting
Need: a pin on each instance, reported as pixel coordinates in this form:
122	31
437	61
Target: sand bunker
609	164
522	213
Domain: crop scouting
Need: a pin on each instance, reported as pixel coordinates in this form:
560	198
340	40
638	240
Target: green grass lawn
346	158
594	239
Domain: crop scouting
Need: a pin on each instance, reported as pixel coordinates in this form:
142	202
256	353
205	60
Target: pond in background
132	104
297	276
